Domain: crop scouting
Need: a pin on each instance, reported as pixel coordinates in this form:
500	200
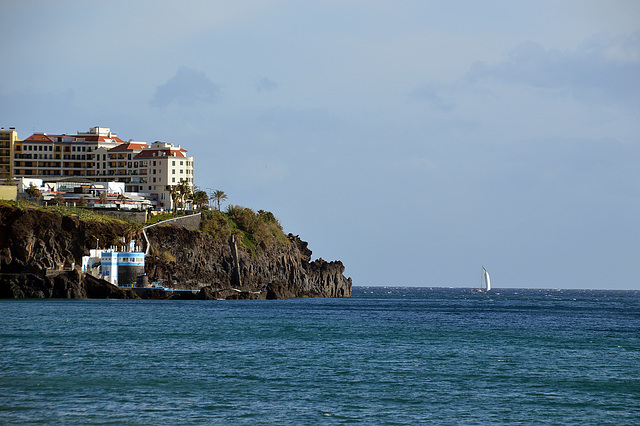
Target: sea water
384	356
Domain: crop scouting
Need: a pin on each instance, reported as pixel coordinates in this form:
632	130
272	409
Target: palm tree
175	196
219	196
184	189
200	198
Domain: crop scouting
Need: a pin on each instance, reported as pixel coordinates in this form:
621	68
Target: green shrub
215	224
164	216
252	229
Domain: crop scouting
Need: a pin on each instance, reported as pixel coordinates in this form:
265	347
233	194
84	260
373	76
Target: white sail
487	280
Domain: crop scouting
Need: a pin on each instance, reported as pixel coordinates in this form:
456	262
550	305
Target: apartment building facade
100	155
45	155
118	164
8	139
164	165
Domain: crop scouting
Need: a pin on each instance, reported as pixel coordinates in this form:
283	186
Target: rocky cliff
35	244
191	259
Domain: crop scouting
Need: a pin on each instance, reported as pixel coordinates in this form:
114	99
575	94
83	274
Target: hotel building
99	155
164	165
43	155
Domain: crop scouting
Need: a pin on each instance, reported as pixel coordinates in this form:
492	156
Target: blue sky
414	140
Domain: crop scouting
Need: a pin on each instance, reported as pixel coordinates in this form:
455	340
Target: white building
164	165
119	268
99	155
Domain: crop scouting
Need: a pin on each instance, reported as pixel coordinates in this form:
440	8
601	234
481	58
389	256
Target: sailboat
485	282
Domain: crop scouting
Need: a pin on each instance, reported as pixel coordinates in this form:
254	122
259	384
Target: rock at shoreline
35	244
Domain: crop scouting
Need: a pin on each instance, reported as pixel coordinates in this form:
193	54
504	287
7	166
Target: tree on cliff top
33	192
175	196
200	198
58	200
219	196
184	189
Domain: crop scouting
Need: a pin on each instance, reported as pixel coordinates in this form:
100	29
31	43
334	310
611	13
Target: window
173	163
173	171
181	171
173	179
154	163
181	163
73	148
154	180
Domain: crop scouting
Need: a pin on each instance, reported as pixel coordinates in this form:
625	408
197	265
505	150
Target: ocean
387	355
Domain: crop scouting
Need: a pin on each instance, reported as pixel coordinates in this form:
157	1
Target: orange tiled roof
128	146
39	137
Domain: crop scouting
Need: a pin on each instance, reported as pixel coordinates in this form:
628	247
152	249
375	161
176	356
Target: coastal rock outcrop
191	259
41	252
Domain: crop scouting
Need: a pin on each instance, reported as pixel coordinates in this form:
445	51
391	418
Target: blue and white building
118	267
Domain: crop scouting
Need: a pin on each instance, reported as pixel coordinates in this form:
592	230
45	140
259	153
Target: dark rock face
32	241
62	284
36	244
190	259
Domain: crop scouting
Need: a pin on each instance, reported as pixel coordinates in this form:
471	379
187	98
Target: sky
414	140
